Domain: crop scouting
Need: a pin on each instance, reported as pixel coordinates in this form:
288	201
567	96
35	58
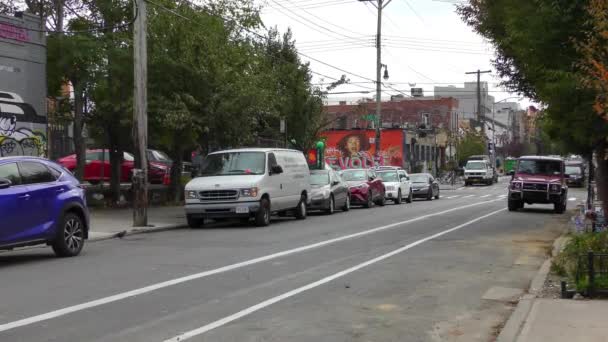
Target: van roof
254	149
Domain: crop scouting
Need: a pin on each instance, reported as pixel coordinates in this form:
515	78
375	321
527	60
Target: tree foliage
471	144
554	51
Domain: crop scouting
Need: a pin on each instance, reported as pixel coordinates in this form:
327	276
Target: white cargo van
249	183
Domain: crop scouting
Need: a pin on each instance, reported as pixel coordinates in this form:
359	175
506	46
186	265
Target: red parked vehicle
97	167
365	187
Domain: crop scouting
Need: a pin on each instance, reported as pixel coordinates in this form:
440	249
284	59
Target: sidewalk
106	223
566	320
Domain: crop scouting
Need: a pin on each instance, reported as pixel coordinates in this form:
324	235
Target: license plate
242	210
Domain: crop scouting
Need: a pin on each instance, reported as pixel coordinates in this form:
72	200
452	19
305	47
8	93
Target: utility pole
140	115
480	116
380	5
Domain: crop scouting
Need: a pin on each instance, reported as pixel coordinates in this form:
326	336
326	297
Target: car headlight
191	194
249	192
555	188
516	186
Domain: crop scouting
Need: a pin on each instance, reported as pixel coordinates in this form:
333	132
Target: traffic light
320	154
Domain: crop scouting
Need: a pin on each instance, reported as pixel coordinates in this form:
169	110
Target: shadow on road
9	258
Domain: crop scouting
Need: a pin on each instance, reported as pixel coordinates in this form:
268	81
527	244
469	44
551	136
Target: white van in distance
249	183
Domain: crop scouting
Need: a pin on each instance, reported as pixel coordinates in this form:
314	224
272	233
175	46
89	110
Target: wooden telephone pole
480	111
140	116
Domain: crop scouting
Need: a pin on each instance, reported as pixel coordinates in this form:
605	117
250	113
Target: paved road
444	270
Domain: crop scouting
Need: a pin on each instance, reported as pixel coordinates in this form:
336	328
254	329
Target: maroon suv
539	179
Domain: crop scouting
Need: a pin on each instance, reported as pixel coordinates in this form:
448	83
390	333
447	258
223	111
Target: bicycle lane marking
248	311
176	281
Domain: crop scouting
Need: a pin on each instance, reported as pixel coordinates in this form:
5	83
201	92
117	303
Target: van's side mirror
276	169
334	183
5	183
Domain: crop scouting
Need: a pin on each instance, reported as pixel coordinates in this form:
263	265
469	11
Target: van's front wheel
301	208
262	217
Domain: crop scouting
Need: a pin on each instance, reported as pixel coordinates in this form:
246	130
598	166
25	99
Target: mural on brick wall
346	149
22	130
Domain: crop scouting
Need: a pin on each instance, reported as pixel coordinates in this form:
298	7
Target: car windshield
234	163
388	176
539	167
573	170
354	175
475	165
419	178
319	178
160	156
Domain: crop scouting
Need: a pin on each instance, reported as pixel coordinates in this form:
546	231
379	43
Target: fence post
591	271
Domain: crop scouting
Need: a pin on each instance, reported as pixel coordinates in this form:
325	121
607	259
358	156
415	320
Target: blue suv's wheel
70	236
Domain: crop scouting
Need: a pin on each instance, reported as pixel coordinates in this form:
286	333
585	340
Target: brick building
425	150
398	113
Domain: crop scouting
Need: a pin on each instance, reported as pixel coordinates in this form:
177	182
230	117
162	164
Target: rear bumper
358	197
222	210
319	204
420	192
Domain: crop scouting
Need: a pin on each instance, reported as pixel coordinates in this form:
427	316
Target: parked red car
365	187
97	167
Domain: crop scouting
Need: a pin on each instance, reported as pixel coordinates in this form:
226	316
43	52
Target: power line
325	21
415	12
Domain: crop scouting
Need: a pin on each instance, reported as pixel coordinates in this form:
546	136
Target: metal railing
591	275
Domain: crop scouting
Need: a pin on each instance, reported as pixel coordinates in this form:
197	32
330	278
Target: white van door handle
281	186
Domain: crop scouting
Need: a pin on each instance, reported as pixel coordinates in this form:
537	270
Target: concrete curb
515	323
137	231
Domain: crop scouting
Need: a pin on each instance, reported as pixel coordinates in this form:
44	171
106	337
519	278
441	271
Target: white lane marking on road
502	196
467	196
484	196
271	301
176	281
450	197
462	187
572	199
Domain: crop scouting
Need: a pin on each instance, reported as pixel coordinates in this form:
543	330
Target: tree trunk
176	173
602	173
79	143
115	172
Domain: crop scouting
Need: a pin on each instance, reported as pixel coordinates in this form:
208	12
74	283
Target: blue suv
41	203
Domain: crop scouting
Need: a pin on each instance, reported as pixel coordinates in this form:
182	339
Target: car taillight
166	179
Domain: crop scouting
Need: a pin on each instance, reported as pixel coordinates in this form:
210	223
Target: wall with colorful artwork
23	121
356	148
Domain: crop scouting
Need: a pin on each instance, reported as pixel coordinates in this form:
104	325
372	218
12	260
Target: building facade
23	120
428	124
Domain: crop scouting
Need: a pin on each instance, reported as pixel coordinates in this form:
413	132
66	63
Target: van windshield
234	163
475	165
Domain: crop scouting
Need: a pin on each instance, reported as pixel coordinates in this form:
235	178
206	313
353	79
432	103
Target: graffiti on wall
22	131
356	149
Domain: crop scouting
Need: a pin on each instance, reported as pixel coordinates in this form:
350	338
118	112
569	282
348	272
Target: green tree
471	144
537	54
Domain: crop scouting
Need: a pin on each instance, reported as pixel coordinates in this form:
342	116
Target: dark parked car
365	187
424	186
41	203
328	191
575	174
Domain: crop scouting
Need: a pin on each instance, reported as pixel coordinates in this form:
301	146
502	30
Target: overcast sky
424	42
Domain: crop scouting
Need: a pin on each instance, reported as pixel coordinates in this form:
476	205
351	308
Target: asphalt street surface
442	270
